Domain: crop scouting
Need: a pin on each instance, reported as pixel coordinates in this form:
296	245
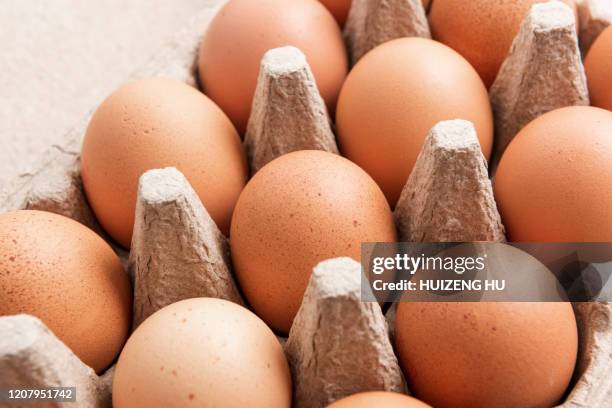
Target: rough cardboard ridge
177	250
58	189
32	357
339	345
448	196
542	72
594	385
373	22
288	112
595	16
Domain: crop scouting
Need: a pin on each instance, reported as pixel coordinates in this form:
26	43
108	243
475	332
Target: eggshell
393	97
480	30
378	399
465	355
156	123
598	66
244	30
298	210
553	182
63	273
339	9
202	352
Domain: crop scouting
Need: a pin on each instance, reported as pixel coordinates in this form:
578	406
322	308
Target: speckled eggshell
300	209
394	96
598	66
202	352
63	273
466	355
480	30
156	123
378	399
553	183
243	30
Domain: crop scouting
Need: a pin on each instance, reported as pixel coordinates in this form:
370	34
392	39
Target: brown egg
480	30
378	399
339	8
598	66
465	355
392	98
156	123
202	352
300	209
63	273
244	30
553	181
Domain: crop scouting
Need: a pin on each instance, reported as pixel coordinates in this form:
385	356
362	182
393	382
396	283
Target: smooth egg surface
598	67
378	399
480	30
495	354
298	210
553	183
60	271
156	123
202	352
244	30
394	96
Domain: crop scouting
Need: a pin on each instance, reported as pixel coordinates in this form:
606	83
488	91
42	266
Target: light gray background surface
60	58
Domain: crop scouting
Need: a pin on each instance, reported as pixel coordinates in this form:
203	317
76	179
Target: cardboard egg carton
178	252
595	16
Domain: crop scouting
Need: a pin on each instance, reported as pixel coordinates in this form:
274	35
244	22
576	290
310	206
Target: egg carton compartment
178	252
286	102
542	72
31	356
373	22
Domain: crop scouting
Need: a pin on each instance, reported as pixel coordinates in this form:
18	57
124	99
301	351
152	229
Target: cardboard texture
32	357
595	16
29	353
373	22
288	112
339	345
448	196
542	72
177	250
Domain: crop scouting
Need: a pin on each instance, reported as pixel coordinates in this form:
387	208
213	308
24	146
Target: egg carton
178	252
594	16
